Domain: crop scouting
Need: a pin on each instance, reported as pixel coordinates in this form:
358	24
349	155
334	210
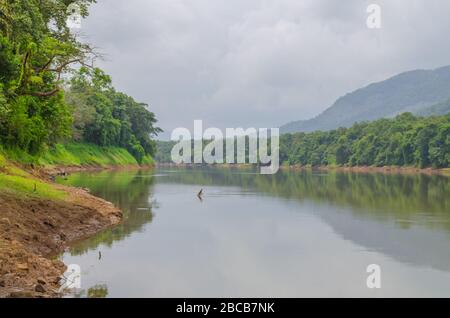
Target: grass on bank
15	180
29	186
76	154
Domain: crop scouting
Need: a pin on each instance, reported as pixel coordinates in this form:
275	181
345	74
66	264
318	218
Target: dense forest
50	90
405	140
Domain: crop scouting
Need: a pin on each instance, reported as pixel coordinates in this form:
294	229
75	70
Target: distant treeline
405	140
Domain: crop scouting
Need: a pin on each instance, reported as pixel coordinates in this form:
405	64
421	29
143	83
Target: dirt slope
33	229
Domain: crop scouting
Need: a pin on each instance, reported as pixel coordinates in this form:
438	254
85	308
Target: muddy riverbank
34	229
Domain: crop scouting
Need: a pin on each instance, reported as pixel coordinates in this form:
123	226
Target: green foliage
2	161
29	186
36	50
163	150
77	154
36	47
15	180
403	141
32	123
109	118
72	154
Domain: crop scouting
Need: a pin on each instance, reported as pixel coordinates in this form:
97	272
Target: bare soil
33	230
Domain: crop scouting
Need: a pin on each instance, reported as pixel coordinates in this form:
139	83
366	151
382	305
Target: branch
24	65
45	94
62	66
43	68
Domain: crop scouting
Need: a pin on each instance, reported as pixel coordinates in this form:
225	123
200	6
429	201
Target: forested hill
50	91
405	140
412	91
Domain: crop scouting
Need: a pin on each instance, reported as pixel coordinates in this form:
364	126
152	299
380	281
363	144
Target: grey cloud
259	63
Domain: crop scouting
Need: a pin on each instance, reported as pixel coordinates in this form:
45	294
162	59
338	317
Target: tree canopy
405	140
106	117
37	105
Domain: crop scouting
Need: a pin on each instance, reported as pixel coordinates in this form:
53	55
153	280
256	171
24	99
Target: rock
5	220
23	267
49	223
39	288
2	283
41	281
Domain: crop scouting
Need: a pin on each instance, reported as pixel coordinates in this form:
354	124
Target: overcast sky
259	63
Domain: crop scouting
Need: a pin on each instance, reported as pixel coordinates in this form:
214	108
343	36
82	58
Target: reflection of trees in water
375	194
402	200
393	201
96	291
130	191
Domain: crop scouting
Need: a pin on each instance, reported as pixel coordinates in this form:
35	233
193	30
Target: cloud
259	63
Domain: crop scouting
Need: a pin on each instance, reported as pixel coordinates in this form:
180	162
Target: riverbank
76	155
359	169
372	169
40	219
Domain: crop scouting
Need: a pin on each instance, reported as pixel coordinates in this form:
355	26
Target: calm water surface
293	234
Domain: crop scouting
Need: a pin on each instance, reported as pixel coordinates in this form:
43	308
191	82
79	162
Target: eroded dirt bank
33	229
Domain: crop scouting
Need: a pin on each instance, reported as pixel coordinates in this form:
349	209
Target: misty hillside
435	110
423	92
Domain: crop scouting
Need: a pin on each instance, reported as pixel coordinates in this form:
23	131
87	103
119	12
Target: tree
36	49
106	117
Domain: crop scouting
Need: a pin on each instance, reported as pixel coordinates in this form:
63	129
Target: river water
293	234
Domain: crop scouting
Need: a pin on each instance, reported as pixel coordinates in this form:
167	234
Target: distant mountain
413	91
435	110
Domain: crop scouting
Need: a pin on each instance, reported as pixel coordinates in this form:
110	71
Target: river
293	234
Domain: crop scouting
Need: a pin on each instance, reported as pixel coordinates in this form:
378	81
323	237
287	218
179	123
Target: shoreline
33	230
296	168
53	171
371	169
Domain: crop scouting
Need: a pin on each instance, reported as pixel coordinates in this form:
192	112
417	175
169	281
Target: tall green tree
36	49
106	117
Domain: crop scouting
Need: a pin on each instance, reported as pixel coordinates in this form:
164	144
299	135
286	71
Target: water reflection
381	195
416	202
96	291
390	218
129	190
